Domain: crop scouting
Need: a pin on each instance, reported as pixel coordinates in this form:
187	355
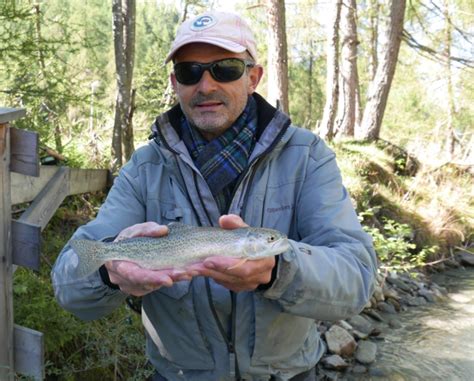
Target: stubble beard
210	122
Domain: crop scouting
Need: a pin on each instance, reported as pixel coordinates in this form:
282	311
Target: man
225	157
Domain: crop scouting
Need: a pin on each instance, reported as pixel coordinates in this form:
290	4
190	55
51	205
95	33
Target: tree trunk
380	87
123	12
129	13
374	8
349	78
332	85
277	55
450	134
309	117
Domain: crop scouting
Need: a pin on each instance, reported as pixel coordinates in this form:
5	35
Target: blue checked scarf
224	158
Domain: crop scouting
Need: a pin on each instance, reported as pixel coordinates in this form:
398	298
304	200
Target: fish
182	246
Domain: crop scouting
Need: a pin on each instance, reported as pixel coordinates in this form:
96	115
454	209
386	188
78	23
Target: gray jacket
292	184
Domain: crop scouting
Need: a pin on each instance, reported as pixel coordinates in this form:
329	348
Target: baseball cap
226	30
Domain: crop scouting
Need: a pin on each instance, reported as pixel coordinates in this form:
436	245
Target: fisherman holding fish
223	299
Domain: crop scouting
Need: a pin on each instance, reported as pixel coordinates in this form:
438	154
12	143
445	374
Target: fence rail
23	180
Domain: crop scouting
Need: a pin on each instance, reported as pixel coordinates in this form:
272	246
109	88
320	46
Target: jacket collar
272	124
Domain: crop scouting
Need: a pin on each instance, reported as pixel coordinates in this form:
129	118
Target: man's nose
207	84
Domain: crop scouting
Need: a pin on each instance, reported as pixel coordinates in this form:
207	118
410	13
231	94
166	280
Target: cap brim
224	44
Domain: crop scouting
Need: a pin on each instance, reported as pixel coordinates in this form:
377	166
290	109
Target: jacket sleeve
90	298
328	274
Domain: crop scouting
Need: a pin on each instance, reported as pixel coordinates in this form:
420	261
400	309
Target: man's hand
245	277
135	280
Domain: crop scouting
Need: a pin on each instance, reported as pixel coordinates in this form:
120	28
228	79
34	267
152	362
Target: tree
123	12
380	86
332	84
450	133
277	55
374	9
349	78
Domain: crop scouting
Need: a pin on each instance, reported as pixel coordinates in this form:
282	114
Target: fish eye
271	238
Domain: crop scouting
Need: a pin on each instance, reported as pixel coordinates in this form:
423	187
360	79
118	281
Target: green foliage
394	246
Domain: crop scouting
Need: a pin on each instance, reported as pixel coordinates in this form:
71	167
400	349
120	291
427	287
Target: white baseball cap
226	30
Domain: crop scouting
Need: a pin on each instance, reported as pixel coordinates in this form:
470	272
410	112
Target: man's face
209	105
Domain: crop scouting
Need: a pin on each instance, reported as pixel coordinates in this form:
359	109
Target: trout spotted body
183	246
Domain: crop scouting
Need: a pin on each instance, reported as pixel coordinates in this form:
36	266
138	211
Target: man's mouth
208	106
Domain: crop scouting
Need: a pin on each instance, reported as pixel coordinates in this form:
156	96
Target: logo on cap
203	22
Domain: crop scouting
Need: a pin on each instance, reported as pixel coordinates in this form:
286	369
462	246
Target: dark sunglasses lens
188	73
228	70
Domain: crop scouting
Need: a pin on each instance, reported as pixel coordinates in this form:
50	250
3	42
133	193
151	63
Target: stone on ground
366	351
340	341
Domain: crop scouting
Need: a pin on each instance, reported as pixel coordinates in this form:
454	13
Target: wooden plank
6	291
29	352
26	244
11	114
24	157
26	188
87	180
48	200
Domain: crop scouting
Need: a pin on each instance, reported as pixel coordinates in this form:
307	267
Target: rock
377	372
378	294
376	332
397	282
359	369
390	293
386	307
334	362
374	315
366	352
416	301
427	294
361	324
466	258
358	335
395	303
373	302
340	341
344	324
394	324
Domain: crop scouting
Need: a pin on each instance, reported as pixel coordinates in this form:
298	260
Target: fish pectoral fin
240	263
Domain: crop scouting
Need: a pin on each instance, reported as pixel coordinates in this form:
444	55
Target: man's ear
255	75
174	83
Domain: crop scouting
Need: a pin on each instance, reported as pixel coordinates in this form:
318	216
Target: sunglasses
226	70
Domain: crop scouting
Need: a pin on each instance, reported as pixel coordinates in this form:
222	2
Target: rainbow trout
184	245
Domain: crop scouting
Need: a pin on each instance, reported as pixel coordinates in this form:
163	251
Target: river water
436	341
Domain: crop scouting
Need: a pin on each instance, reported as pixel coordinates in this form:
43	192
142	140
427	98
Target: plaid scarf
224	158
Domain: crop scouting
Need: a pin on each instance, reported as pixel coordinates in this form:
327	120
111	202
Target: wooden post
6	291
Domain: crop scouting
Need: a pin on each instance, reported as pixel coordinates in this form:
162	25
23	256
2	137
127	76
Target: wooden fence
23	180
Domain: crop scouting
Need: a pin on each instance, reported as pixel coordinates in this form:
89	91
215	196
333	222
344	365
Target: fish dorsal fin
178	227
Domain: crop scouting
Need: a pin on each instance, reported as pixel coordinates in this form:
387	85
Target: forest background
411	180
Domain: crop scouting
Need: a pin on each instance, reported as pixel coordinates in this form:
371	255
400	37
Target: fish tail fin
91	256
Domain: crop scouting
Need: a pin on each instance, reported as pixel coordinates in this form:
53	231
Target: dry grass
437	203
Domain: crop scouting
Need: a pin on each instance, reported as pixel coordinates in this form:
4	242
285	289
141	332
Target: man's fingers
231	221
146	229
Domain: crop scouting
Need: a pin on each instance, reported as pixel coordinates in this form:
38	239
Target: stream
436	341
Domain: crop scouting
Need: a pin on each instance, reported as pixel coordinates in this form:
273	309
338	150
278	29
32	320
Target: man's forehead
204	51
